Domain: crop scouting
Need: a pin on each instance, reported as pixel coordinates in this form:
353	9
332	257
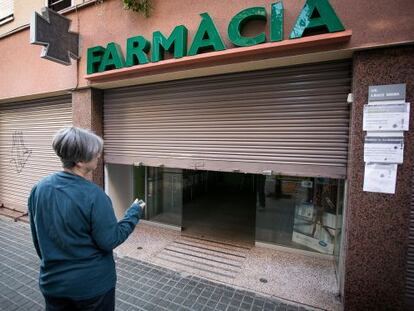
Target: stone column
376	224
87	112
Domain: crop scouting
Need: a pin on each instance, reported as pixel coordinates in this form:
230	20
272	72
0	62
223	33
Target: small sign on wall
380	177
385	119
390	92
383	149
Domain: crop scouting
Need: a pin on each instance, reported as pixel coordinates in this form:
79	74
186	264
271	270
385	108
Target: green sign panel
317	16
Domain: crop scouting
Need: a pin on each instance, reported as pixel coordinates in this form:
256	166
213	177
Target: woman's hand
141	203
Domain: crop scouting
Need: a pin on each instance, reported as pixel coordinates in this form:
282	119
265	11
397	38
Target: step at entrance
208	258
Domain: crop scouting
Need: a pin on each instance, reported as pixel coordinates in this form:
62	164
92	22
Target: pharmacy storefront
256	157
242	122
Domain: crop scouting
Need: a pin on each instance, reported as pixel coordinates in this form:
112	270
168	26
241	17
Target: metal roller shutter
291	120
410	255
26	154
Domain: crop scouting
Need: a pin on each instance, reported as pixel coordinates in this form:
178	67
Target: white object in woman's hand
140	203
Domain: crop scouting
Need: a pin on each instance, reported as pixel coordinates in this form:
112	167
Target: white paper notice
384	149
386	117
380	177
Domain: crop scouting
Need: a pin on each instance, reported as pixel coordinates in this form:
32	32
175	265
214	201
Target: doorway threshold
161	225
273	272
293	250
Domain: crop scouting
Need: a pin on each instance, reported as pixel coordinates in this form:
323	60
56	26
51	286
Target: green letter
206	37
239	20
276	24
112	58
135	51
176	42
94	59
316	14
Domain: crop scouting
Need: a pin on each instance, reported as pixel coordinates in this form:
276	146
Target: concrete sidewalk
141	285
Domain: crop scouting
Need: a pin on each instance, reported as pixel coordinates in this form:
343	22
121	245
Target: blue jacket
74	231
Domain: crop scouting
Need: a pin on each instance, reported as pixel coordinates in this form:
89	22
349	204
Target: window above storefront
58	5
6	11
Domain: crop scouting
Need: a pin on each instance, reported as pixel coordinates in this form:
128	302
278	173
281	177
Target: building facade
241	121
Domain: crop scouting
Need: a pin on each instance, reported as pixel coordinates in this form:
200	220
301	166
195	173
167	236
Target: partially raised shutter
291	120
26	154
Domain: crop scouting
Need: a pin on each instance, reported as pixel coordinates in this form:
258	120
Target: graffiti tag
20	153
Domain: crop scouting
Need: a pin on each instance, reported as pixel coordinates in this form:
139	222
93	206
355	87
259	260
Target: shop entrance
211	205
291	211
219	206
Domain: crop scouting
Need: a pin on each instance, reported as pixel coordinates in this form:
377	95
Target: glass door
164	195
299	212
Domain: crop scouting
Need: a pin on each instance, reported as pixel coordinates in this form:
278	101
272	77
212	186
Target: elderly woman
74	228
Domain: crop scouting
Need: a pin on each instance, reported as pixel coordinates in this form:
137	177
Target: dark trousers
105	302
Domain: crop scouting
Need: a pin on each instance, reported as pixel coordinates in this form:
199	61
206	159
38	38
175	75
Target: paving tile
150	307
36	308
225	300
175	291
179	300
269	306
259	302
174	307
248	299
197	307
212	303
163	303
245	306
215	296
141	285
235	303
221	306
207	293
188	303
13	307
202	300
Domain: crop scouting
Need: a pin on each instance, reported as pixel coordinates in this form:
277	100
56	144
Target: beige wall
22	12
24	73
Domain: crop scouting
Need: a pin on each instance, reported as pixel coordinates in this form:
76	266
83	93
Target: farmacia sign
315	15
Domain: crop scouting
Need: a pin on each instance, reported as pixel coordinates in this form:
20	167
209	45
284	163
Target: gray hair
74	144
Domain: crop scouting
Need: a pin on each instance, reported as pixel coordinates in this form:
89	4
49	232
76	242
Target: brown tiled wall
87	113
377	224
